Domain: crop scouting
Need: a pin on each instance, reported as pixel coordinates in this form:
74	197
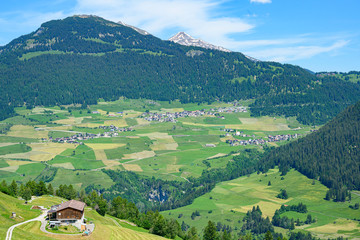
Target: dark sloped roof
78	205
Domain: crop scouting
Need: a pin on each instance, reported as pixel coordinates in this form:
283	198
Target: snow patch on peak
183	38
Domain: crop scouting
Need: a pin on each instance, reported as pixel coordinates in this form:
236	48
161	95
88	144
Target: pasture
229	201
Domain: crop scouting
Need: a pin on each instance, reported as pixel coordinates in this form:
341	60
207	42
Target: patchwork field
162	149
229	201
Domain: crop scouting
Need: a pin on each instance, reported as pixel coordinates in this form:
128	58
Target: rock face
187	40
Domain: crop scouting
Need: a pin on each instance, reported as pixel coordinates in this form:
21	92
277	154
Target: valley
169	150
174	138
39	144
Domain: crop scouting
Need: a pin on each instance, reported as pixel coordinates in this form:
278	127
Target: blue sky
320	35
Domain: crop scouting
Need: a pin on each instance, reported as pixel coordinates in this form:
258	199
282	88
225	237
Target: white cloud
260	1
293	53
194	17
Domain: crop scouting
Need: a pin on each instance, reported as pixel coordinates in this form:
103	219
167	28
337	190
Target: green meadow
229	201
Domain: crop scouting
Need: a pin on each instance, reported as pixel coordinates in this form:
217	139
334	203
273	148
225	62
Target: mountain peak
141	31
185	39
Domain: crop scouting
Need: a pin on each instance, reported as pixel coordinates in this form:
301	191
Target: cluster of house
271	138
232	109
118	114
113	128
171	117
75	139
69	213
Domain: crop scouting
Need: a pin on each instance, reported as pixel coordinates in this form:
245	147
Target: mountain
141	31
330	154
82	58
187	40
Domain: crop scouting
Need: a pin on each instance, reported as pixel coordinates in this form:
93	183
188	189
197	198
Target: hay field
90	125
142	121
139	155
172	110
100	154
334	227
39	110
268	208
118	123
70	120
7	144
67	165
42	151
13	168
132	167
217	155
110	164
104	146
262	123
26	132
162	141
17	162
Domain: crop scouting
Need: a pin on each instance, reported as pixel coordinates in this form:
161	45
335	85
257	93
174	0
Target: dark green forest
330	154
81	59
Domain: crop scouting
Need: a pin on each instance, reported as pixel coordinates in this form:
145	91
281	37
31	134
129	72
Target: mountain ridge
76	59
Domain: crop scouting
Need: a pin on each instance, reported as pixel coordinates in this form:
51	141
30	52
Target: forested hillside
83	58
331	154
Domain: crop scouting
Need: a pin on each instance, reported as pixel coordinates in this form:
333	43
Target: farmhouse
71	212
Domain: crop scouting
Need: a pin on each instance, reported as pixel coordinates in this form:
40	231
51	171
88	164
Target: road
11	229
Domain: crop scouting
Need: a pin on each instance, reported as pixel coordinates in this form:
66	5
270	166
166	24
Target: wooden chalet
70	211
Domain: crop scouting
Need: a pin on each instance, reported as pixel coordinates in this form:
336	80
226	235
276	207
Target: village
77	138
171	117
260	141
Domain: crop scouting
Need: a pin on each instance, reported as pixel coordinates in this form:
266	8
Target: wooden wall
69	213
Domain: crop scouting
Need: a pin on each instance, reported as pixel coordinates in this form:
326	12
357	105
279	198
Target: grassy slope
8	205
105	227
229	201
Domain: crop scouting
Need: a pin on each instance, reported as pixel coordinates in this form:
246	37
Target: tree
225	235
50	189
192	234
102	206
158	226
172	228
41	189
13	189
210	231
26	194
268	236
82	194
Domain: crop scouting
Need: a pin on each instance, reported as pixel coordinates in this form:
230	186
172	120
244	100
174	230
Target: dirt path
11	229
